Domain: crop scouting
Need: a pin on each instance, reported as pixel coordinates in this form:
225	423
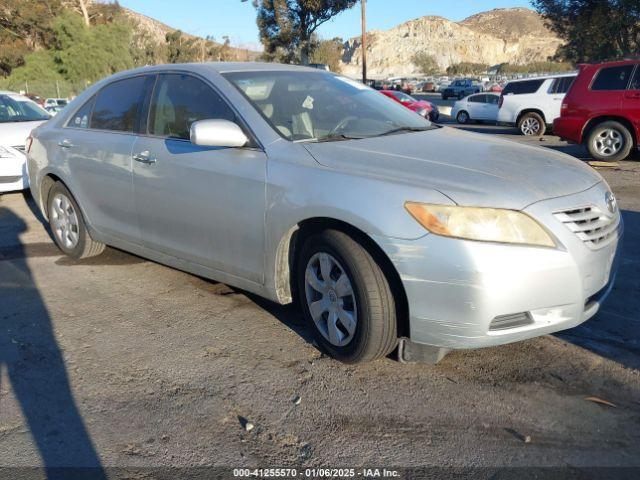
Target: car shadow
614	332
36	368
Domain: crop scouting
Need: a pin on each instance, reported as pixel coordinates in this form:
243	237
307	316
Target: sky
236	19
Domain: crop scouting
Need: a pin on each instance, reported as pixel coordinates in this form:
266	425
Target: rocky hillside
513	35
157	32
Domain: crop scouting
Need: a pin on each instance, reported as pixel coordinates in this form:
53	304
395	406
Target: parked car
460	88
602	110
55	102
533	103
477	107
53	111
283	180
18	116
421	107
429	86
495	88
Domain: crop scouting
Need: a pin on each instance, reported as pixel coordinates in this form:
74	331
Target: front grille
505	322
591	225
22	148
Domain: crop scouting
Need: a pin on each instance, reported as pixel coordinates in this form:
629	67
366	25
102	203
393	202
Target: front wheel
610	141
462	117
67	225
346	298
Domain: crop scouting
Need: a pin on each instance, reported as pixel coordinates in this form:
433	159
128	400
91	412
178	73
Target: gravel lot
124	362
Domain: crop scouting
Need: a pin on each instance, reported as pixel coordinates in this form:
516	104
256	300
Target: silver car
298	184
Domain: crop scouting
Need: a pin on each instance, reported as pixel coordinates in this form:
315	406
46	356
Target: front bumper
457	288
13	173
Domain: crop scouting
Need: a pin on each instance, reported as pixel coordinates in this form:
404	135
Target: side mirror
217	133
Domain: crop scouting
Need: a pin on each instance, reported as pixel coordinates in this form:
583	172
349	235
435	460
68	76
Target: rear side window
478	98
81	118
493	99
119	104
635	81
613	78
178	101
522	88
561	85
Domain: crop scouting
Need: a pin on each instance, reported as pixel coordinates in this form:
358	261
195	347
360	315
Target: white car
56	102
479	106
533	103
18	116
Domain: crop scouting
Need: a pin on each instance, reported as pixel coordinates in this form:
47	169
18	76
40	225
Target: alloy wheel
530	126
608	142
331	299
64	221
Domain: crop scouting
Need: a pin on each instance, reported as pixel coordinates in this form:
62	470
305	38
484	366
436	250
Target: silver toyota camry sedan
301	185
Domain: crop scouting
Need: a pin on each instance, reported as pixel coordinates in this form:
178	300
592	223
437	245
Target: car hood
15	133
469	168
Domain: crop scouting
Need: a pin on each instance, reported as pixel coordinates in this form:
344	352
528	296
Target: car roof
544	77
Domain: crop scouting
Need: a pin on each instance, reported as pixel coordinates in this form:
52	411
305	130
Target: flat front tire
68	226
609	141
346	298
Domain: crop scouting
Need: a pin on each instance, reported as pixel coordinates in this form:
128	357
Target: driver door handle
144	157
65	143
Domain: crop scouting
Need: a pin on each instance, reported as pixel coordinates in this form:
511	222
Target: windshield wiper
336	137
404	129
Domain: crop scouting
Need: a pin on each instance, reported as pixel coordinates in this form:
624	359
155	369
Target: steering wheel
343	123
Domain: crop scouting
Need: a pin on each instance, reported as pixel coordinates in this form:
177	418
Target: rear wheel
462	117
346	298
531	124
68	226
610	141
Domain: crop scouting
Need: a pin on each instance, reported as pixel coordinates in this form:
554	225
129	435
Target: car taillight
564	108
501	101
27	145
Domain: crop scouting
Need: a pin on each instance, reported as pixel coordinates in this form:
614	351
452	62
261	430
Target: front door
202	204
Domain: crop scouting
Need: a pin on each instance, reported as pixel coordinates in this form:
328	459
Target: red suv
602	109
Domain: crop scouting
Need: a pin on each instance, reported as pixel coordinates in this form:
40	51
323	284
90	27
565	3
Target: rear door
477	106
631	102
609	89
202	204
96	144
491	108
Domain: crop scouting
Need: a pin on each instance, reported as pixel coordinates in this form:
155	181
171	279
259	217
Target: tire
68	226
609	141
463	117
371	302
532	124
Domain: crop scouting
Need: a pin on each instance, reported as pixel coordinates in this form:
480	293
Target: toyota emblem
610	200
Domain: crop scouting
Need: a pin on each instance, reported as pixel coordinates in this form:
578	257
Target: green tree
593	30
426	63
467	68
328	52
535	67
287	26
182	49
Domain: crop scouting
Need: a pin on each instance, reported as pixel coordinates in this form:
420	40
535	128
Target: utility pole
363	3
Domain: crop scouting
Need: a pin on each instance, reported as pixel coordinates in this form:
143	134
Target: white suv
533	103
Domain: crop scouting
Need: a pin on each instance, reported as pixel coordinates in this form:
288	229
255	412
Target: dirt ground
118	361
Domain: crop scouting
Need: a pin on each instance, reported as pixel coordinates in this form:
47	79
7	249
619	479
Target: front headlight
482	224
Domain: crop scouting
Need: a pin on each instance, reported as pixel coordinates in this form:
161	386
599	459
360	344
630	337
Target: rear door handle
65	144
144	157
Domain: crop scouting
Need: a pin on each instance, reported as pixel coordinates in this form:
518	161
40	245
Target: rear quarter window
561	85
522	88
612	78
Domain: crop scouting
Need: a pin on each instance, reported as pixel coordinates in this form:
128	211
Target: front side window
310	106
178	101
16	108
613	78
119	104
522	88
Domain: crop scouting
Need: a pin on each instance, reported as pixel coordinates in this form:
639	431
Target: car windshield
15	108
310	106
